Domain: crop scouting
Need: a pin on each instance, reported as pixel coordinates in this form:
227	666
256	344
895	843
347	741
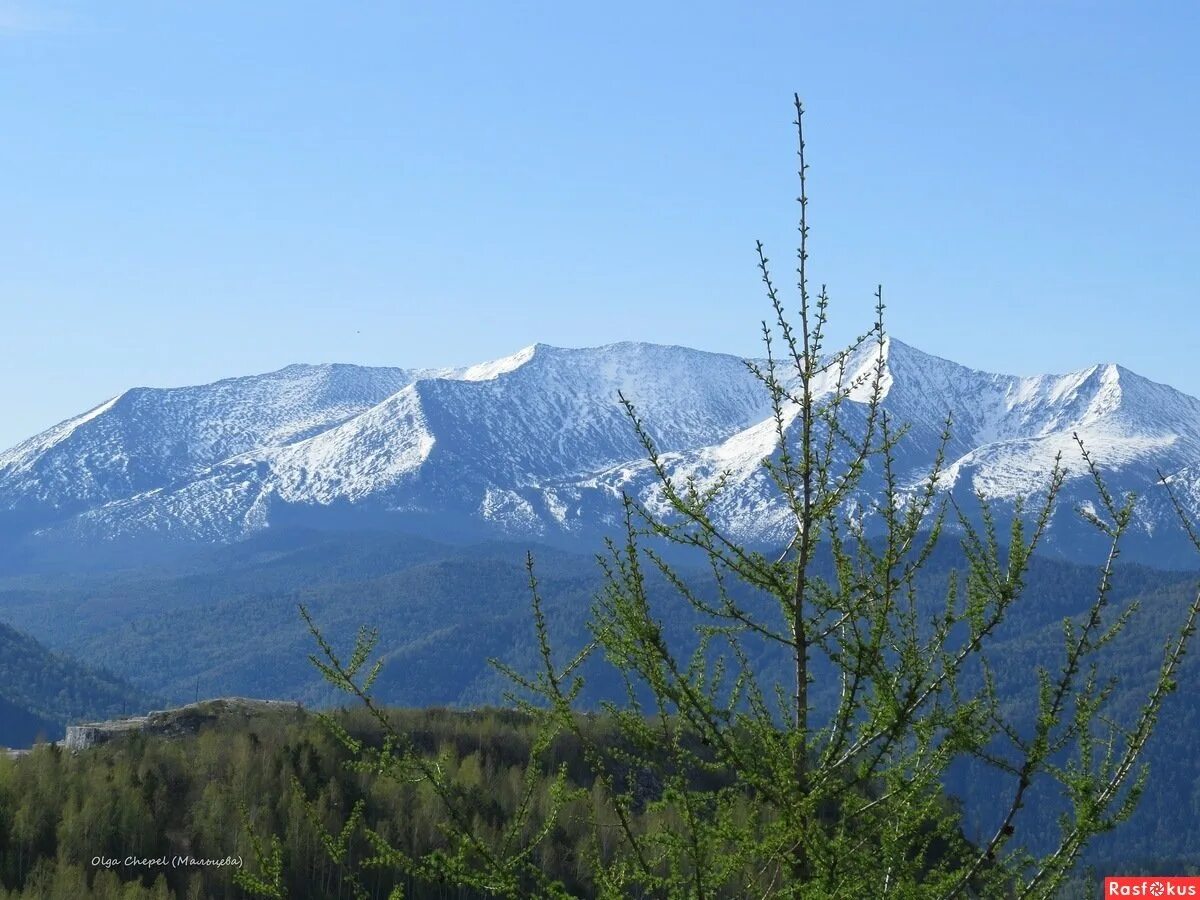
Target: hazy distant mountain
535	445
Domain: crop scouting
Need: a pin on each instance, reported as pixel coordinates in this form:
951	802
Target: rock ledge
176	723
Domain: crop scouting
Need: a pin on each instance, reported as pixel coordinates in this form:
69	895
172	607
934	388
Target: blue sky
196	190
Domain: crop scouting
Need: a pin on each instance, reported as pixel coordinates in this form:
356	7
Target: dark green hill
42	691
20	728
227	623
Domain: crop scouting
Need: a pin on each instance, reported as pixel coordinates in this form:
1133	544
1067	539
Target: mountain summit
536	445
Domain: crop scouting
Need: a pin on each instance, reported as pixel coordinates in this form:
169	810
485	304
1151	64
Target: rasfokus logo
1152	886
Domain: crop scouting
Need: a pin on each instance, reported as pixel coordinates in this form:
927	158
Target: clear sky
195	190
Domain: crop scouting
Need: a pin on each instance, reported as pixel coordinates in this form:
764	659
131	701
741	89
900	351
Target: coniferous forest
208	795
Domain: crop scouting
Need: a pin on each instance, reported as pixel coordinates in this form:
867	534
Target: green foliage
329	811
747	782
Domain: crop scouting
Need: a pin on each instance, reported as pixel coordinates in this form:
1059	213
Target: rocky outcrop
177	723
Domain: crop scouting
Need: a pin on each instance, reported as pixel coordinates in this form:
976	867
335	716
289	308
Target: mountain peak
536	441
494	369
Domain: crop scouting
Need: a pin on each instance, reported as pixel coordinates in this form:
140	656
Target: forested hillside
228	625
203	796
186	797
41	691
19	727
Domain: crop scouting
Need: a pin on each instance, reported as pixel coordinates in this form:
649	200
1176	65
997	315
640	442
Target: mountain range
406	499
536	446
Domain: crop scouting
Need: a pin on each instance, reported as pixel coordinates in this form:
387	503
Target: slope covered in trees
59	810
226	623
168	631
196	795
41	691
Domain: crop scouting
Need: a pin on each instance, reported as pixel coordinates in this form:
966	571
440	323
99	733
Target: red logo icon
1152	886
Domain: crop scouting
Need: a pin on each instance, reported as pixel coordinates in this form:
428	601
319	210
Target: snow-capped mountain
535	444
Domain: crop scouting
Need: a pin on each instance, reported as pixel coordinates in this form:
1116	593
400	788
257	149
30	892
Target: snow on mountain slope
553	415
474	439
536	443
147	438
1005	434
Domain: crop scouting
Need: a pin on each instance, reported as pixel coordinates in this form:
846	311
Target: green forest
206	795
209	795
